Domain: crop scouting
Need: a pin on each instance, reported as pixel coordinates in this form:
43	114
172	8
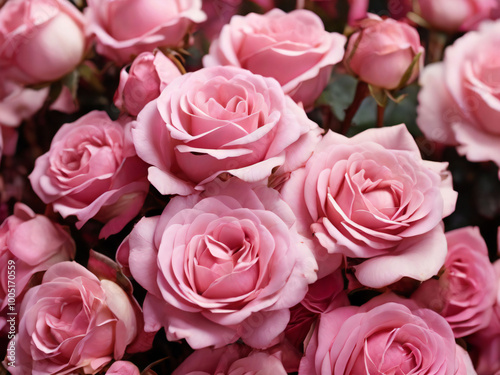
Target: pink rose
358	9
221	265
143	81
16	104
383	51
485	344
40	40
29	243
293	48
464	295
324	295
123	368
230	360
373	198
125	28
459	103
383	337
221	120
73	321
92	171
454	15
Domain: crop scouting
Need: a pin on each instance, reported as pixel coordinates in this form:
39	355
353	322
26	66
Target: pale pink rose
124	28
123	368
454	15
221	265
230	360
143	81
40	40
92	171
29	243
459	103
221	120
293	48
465	293
372	197
386	336
71	321
383	51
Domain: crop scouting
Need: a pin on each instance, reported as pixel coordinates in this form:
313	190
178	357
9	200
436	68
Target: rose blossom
230	360
373	198
221	120
92	171
454	15
293	48
388	335
143	81
124	28
459	103
383	51
123	368
220	265
465	293
40	40
33	243
71	321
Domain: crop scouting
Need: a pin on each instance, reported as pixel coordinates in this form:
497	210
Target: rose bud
385	53
143	81
454	15
40	40
128	27
30	243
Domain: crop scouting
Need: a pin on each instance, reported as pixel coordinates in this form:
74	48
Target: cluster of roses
268	222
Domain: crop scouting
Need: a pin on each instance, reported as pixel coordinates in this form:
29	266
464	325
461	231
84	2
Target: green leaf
339	94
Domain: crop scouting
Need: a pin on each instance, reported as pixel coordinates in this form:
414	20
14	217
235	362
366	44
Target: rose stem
380	116
361	93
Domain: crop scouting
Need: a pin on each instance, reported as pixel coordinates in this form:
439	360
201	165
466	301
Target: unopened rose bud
385	53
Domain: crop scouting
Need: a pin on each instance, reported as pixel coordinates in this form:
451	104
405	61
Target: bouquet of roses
249	187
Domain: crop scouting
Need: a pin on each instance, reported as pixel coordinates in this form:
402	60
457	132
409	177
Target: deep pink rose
383	337
123	368
143	81
464	295
358	9
373	198
459	103
383	51
454	15
73	321
221	265
40	40
221	120
293	48
230	360
124	28
92	171
29	243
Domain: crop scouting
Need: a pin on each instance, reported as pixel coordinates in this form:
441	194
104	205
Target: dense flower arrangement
249	187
